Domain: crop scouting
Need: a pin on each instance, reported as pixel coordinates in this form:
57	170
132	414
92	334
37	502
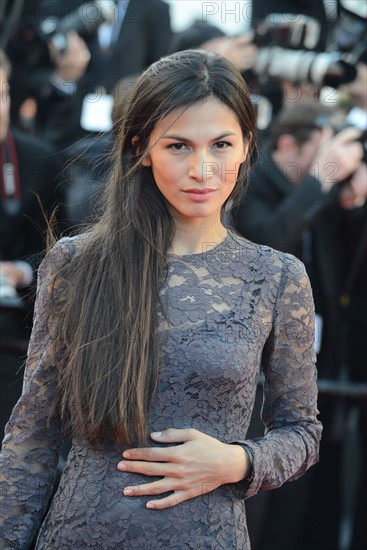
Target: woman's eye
177	146
222	144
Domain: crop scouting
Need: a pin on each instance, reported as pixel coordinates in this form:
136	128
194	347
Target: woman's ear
146	160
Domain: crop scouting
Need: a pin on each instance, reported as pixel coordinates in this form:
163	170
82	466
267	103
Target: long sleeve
32	439
292	432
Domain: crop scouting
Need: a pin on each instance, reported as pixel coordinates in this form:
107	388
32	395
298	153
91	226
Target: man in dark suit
28	181
138	34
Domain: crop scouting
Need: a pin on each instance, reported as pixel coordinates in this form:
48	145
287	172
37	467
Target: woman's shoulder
67	247
273	268
261	255
63	252
277	273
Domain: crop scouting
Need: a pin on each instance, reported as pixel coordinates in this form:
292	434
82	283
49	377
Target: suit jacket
23	234
144	37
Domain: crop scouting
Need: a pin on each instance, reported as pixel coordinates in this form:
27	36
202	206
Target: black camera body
85	21
362	139
287	49
28	34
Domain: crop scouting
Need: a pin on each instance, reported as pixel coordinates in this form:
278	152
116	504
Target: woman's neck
196	237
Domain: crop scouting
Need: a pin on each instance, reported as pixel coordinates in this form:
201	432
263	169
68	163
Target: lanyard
10	190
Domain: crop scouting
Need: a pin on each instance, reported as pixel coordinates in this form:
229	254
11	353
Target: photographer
78	49
39	70
29	172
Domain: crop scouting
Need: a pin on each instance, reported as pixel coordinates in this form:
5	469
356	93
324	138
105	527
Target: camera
287	48
362	139
85	21
286	51
27	41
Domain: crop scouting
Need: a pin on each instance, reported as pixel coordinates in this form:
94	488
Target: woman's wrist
241	464
250	473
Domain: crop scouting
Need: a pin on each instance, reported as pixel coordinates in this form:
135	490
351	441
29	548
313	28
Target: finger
153	488
346	135
355	153
150	468
172	500
358	181
151	454
173	435
74	37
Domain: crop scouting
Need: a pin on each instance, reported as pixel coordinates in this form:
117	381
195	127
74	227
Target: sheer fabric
233	309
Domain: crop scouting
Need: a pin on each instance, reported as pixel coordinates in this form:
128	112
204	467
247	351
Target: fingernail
128	491
121	466
156	434
150	505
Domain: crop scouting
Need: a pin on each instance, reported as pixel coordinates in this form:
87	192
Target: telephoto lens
85	21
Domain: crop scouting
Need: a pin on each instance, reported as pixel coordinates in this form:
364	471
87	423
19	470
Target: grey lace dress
234	309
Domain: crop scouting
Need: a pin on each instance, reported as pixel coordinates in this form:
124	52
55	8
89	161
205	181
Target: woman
149	333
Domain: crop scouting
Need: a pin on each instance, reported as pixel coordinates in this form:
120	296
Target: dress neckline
205	252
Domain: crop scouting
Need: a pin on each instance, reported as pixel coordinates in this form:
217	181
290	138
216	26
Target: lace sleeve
32	441
292	432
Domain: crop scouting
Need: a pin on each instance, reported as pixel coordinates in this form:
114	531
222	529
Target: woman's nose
201	168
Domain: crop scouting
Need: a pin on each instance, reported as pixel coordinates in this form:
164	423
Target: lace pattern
232	309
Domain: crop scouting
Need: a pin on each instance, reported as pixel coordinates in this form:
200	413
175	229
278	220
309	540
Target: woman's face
195	156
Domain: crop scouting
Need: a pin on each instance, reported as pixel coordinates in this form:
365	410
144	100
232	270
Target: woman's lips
199	195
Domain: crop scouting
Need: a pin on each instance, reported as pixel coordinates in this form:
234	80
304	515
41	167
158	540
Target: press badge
318	333
96	113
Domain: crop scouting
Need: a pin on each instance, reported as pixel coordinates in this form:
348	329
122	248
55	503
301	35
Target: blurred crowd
66	68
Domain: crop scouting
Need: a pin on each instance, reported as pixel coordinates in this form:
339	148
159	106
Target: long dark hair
108	322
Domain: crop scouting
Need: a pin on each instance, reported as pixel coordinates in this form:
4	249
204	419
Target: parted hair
108	322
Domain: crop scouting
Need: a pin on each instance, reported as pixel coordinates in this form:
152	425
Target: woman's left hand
197	466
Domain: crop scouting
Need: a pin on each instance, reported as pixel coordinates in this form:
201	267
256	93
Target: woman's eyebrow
185	140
